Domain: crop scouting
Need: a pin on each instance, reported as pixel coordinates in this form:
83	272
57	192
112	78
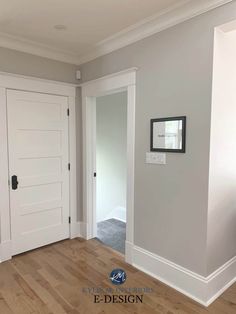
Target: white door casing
38	156
120	81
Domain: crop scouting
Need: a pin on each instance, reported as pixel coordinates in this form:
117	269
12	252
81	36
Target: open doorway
124	81
111	168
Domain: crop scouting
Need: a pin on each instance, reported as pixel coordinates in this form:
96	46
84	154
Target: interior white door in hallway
38	169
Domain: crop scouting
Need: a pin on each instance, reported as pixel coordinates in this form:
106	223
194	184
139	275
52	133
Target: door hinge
68	112
69	219
69	166
95	174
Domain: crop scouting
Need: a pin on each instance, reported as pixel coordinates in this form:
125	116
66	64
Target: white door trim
121	81
5	231
74	232
12	81
34	84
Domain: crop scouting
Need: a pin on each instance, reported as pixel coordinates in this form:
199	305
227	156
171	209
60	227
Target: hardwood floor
54	279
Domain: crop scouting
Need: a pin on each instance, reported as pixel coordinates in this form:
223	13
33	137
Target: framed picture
168	134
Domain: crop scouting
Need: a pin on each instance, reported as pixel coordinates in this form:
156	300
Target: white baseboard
83	230
118	213
75	230
113	217
129	252
203	290
120	219
78	229
220	280
5	251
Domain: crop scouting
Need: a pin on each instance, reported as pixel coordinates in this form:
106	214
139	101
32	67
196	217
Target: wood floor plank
4	306
55	280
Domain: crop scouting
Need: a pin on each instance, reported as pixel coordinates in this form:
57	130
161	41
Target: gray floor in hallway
112	233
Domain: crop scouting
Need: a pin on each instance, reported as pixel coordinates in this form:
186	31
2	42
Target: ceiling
29	25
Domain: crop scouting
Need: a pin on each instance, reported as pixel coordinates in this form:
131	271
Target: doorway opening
111	166
124	81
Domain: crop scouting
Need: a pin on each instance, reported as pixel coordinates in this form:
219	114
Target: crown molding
35	48
174	15
184	10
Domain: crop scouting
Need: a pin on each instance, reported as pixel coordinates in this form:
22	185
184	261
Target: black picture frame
168	150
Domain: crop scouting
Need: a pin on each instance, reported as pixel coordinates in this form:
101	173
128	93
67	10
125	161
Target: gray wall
13	61
174	78
111	155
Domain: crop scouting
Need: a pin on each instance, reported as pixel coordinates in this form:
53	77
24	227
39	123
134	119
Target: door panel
39	167
38	156
36	142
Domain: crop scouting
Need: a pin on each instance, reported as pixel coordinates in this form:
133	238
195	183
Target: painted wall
222	176
174	78
17	62
111	114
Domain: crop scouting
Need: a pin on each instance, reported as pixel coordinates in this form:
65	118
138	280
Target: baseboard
118	213
117	218
129	252
203	290
113	217
5	251
220	280
78	229
83	230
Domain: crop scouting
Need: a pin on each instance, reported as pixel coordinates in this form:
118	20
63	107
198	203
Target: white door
38	162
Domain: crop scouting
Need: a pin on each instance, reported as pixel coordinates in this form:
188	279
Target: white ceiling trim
35	48
172	16
155	24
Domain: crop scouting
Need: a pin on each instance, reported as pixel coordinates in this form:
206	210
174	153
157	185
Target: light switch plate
156	158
